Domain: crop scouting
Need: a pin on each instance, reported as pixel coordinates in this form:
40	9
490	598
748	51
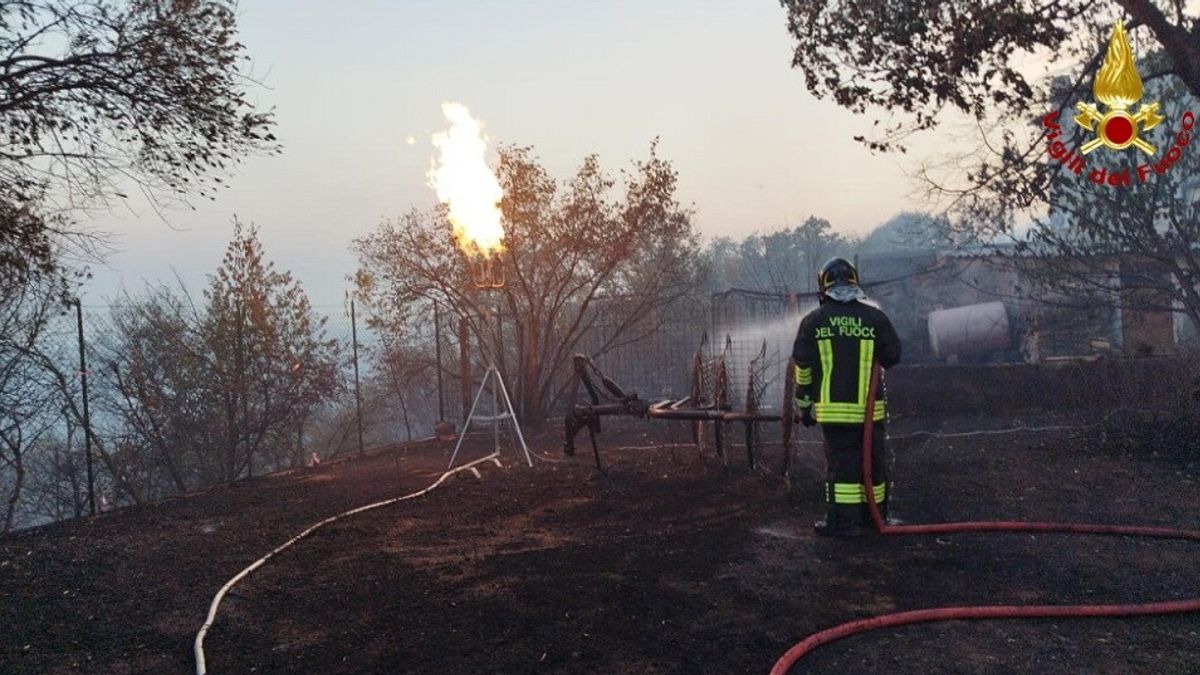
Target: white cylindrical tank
971	329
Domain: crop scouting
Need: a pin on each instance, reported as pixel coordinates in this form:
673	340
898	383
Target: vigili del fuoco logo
1119	88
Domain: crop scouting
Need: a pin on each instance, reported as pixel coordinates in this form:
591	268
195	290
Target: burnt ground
666	563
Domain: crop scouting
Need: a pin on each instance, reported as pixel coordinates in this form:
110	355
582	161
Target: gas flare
466	185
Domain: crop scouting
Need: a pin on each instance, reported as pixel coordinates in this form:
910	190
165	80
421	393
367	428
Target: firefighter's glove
806	417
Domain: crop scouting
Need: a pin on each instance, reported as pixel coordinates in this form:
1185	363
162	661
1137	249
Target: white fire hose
198	647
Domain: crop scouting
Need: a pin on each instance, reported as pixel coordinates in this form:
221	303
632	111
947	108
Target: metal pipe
713	415
670	410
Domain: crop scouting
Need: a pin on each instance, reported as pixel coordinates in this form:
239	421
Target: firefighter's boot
840	521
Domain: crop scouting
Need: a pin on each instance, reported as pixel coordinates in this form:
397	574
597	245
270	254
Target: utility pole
87	417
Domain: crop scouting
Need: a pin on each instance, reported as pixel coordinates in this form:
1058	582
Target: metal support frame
606	398
498	389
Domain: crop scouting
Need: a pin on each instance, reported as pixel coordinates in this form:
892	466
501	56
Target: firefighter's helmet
837	273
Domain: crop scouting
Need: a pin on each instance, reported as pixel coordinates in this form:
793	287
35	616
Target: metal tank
970	330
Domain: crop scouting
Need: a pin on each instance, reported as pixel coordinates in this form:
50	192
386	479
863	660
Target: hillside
667	563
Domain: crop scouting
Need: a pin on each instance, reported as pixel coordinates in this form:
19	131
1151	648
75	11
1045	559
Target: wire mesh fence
658	365
175	401
178	401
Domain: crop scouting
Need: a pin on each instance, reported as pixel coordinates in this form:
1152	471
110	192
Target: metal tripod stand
498	389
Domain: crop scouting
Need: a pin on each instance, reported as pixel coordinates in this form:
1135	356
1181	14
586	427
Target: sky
350	82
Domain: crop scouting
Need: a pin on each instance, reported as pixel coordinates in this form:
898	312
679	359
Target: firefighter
834	353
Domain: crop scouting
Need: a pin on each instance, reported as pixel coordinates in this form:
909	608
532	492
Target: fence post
464	367
499	359
437	338
87	417
357	390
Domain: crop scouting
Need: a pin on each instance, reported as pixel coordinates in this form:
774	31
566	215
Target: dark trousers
845	495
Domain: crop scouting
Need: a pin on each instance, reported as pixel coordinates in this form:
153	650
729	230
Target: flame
466	185
1118	84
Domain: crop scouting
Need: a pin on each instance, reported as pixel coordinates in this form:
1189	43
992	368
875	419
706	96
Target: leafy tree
101	97
407	372
922	58
28	254
906	231
57	477
910	62
51	375
575	257
206	392
722	263
161	390
27	403
271	358
784	261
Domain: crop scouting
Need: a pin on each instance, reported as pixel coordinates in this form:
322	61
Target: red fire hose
789	658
